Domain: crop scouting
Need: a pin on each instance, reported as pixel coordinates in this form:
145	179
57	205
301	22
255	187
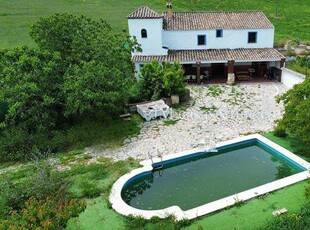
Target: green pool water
199	180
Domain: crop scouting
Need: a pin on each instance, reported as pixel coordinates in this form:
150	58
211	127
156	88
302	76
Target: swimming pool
195	183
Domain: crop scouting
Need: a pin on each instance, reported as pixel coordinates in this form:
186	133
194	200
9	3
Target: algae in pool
196	181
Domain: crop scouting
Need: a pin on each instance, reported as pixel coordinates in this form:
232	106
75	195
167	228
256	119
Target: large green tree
30	86
296	117
81	69
97	61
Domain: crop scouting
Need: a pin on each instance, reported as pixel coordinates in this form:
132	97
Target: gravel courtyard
215	112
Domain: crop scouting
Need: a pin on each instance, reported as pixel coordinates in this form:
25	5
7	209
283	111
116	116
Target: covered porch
217	65
243	71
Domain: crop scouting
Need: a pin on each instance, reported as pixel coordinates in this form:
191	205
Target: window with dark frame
143	33
252	37
201	40
219	33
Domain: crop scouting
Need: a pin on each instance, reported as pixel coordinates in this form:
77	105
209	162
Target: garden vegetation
81	71
161	80
301	64
55	96
296	118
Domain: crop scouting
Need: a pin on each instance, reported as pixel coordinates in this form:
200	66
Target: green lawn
17	15
255	213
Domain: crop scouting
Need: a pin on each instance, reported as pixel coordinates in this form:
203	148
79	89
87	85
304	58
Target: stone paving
215	112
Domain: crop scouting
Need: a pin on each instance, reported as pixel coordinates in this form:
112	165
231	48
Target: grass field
292	20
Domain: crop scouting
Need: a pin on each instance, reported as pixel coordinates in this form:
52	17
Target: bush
135	94
43	214
279	131
300	220
14	144
307	190
301	147
301	65
3	111
35	181
155	222
17	144
159	80
181	224
174	79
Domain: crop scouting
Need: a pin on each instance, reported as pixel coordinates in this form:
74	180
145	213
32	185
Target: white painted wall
231	39
152	45
137	69
291	78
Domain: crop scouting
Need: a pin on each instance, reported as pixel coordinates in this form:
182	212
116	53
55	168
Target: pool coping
121	207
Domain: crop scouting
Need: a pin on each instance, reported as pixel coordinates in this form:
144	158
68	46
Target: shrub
18	144
35	181
301	65
43	214
151	80
135	94
307	190
181	224
298	220
3	111
301	147
14	144
279	131
173	79
154	222
161	80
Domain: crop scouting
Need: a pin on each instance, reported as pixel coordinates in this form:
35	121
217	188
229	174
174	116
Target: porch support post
231	74
198	72
231	66
282	61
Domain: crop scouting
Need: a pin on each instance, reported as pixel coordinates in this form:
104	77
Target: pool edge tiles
123	208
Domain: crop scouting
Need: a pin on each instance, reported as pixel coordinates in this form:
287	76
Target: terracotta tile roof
216	20
262	54
144	12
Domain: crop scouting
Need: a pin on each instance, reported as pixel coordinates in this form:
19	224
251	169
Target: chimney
169	11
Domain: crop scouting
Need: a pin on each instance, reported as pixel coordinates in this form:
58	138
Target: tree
151	77
296	117
162	80
97	62
82	69
173	79
94	88
30	87
32	91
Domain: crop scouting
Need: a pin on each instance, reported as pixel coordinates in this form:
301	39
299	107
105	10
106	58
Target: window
219	33
143	33
252	37
201	40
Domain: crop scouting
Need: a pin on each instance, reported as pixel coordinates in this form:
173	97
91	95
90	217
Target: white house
214	44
